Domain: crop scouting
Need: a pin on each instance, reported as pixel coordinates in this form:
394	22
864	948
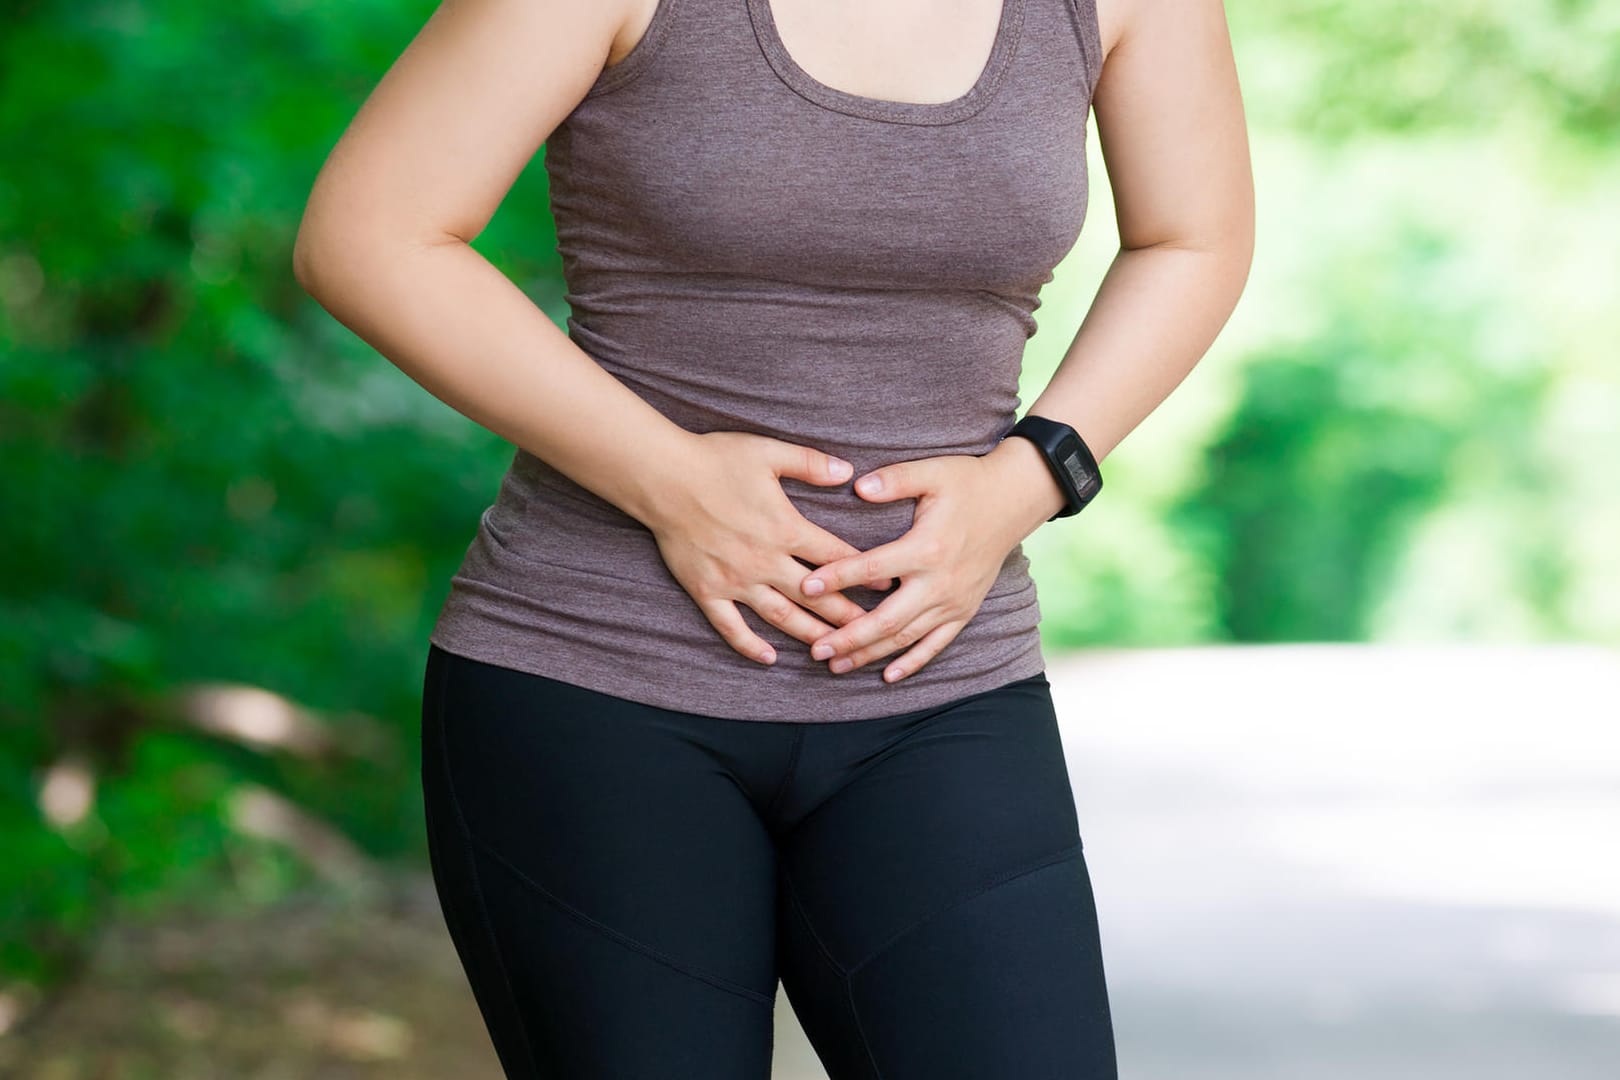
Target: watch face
1076	467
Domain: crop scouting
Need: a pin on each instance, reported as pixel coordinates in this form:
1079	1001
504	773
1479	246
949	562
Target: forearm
461	329
1156	313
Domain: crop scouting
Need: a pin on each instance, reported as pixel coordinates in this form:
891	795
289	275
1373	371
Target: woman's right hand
731	535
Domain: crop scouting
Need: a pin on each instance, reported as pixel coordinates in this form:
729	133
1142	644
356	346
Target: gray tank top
750	249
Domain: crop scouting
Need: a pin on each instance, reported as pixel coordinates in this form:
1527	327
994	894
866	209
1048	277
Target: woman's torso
748	248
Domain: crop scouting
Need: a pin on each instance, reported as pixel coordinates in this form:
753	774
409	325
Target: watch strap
1067	457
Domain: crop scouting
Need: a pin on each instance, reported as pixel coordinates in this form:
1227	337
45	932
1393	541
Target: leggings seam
821	946
718	981
472	866
843	974
787	775
1069	851
855	1015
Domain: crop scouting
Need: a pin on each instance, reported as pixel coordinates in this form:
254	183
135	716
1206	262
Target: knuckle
775	609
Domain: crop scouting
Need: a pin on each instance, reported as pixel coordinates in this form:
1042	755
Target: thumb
809	464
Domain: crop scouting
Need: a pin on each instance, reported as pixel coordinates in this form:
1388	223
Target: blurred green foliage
1407	430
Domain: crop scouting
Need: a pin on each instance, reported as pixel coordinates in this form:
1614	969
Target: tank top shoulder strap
1086	28
646	48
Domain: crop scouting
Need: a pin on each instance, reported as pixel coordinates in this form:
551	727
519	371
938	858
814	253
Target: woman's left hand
969	516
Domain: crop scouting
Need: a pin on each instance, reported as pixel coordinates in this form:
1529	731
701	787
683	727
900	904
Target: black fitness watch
1067	456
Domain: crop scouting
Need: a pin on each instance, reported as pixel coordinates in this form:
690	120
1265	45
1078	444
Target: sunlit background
1335	653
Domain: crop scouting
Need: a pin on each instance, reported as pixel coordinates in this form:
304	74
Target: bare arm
1171	126
384	242
385	247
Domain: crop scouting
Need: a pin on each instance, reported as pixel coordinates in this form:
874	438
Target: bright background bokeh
229	523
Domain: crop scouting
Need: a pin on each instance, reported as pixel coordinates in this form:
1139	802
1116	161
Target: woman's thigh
607	883
937	917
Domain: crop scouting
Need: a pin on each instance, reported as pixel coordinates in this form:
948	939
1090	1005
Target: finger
786	615
834	607
818	547
724	617
809	464
904	637
902	480
896	612
922	652
875	564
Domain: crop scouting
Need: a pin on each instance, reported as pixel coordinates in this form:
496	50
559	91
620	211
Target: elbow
325	235
305	255
301	271
324	256
328	250
334	245
303	258
1243	256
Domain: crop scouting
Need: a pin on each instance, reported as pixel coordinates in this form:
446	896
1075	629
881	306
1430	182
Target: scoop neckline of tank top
958	108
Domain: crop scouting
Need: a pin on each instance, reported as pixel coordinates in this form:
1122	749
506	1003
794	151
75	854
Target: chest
920	51
728	156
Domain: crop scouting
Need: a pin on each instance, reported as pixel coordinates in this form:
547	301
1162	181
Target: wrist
659	484
1032	494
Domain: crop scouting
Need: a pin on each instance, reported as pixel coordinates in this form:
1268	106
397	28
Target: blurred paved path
1316	862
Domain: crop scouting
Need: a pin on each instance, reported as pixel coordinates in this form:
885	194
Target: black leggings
625	884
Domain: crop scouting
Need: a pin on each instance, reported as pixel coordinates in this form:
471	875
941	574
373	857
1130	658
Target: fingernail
842	665
871	484
841	469
821	652
769	656
893	674
814	586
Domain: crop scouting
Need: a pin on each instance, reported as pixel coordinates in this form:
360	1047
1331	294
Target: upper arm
441	138
1171	127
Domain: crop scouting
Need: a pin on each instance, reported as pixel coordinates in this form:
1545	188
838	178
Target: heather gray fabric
749	249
